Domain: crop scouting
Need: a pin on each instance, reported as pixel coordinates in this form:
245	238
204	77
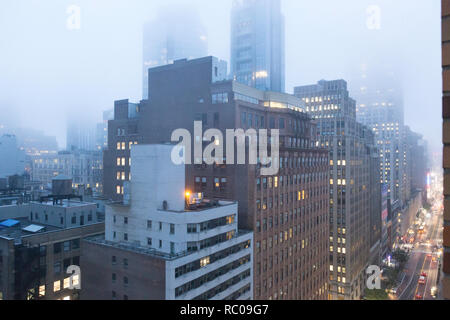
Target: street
420	276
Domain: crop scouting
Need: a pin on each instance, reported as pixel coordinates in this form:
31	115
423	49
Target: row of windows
195	246
65	246
122	161
122	145
211	224
196	283
275	182
61	219
195	265
224	286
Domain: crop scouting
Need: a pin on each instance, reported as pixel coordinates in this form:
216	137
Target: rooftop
20	227
135	248
65	203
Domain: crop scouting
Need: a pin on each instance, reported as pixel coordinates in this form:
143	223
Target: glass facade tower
257	44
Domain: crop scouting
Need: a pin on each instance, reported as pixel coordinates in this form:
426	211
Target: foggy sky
48	73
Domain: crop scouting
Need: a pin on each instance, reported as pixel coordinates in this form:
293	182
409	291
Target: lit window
66	283
56	286
204	262
42	290
75	280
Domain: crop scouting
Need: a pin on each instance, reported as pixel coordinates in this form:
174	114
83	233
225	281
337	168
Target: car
419	296
434	292
429	255
424	274
422	280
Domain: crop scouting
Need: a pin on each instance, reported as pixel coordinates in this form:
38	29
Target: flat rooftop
206	204
65	203
15	229
135	248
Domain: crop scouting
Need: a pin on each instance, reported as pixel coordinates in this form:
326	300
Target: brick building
288	212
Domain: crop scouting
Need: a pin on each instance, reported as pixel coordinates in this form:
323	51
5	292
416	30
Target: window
149	224
204	262
75	244
125	236
114	294
125	263
57	267
66	263
191	228
42	252
160	243
56	286
57	247
172	228
66	283
75	280
113	260
149	242
113	278
66	245
125	220
42	290
125	281
160	226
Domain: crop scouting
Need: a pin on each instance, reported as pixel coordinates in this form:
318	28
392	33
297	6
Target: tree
376	294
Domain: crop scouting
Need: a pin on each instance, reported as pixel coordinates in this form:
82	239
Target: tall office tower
12	159
380	107
257	44
176	33
101	135
446	134
288	211
351	149
418	160
168	243
81	135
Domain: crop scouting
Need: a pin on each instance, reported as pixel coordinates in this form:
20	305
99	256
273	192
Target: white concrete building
204	254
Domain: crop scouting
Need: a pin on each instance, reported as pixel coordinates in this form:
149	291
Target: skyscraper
176	33
81	135
351	212
101	136
380	107
257	44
